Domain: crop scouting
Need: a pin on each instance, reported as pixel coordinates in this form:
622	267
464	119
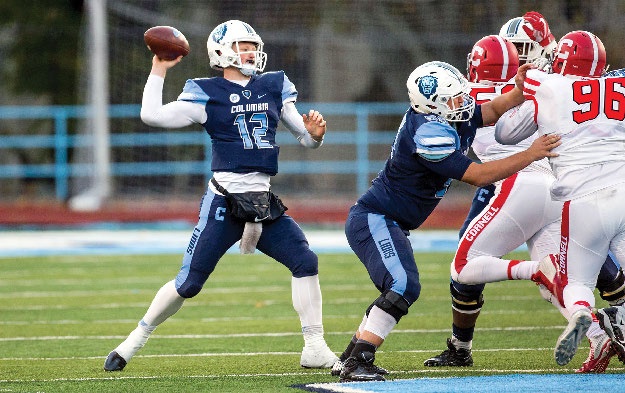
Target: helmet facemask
246	68
464	111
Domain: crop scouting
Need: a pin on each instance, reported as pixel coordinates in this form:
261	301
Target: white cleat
569	340
318	355
546	273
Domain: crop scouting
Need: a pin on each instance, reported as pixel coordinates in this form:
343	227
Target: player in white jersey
588	112
531	35
514	215
534	42
612	319
521	211
240	112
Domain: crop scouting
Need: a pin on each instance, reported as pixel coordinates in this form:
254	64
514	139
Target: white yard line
281	334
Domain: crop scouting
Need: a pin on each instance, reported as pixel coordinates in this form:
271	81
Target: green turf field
60	317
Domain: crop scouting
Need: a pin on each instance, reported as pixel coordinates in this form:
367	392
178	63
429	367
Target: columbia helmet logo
427	85
219	34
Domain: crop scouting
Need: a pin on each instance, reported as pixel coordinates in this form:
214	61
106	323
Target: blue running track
517	383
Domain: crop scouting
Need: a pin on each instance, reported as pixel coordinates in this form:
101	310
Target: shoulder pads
192	92
435	141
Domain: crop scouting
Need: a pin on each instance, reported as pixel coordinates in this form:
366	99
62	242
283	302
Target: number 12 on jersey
258	131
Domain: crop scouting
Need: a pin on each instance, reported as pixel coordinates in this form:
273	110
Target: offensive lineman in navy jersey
240	112
427	153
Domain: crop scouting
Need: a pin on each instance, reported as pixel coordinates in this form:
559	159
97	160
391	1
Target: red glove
537	28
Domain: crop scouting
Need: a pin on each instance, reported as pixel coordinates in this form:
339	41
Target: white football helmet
528	49
223	47
432	88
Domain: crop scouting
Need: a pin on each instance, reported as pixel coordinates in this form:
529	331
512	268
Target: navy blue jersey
426	155
242	120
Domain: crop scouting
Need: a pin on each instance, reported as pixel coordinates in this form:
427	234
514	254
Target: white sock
166	303
380	322
461	344
485	268
306	296
523	270
135	341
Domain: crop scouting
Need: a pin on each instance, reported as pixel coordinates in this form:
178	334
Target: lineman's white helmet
432	85
220	47
528	49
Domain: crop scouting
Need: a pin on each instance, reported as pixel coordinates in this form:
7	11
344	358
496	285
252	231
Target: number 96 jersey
589	114
242	120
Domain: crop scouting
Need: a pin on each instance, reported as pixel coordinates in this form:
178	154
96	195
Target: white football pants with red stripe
591	226
521	211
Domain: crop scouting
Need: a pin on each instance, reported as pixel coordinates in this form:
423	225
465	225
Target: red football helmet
579	53
494	59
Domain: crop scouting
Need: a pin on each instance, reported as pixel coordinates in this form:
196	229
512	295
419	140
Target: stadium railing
62	140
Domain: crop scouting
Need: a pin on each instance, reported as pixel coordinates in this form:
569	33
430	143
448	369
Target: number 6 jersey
588	114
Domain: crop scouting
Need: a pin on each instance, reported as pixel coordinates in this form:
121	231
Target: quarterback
240	112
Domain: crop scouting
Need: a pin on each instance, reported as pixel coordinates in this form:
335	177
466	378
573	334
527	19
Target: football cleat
569	340
546	273
114	362
549	276
612	321
360	368
318	356
339	365
451	357
600	354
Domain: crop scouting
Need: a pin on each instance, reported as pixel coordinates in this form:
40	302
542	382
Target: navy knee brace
466	298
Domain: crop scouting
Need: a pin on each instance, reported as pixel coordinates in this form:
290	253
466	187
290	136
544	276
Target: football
166	42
